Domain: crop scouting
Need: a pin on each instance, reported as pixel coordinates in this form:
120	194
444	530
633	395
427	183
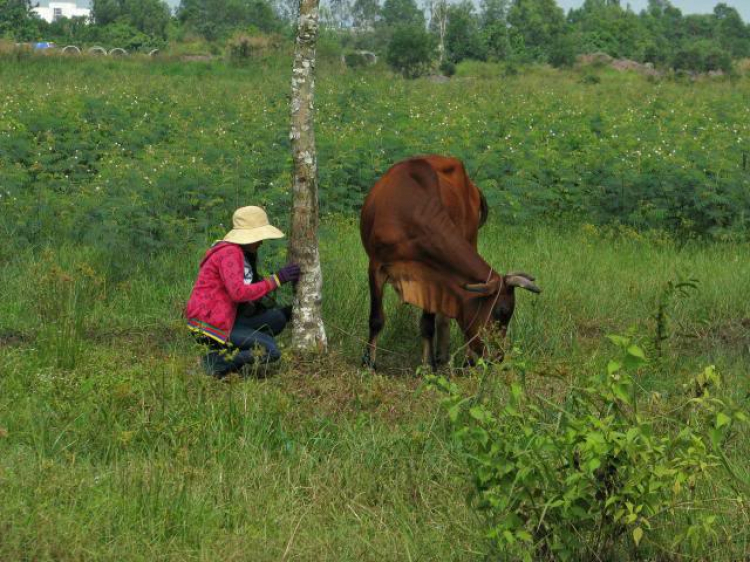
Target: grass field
114	446
132	453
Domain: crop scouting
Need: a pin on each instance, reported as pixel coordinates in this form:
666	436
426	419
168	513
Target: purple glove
289	273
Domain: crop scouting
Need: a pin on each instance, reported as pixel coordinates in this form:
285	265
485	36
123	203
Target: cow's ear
483	288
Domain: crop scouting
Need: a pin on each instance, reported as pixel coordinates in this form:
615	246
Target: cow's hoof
367	362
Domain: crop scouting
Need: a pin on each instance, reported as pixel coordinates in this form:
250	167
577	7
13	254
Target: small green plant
64	301
669	292
410	51
448	68
591	79
597	472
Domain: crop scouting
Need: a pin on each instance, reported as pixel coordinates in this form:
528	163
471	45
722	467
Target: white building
56	10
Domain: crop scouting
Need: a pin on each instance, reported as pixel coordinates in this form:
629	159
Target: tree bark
308	332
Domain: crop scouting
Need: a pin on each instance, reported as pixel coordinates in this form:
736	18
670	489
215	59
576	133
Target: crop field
627	198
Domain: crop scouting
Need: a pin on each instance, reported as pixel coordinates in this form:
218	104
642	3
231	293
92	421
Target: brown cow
419	227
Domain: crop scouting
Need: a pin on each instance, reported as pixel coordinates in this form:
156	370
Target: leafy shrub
243	47
479	69
358	59
702	56
564	52
329	46
411	50
510	69
65	297
448	68
599	472
590	78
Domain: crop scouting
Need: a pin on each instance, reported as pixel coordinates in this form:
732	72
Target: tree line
415	38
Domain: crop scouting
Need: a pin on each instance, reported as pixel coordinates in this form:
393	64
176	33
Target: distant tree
122	34
564	50
535	26
439	25
492	11
604	26
365	13
494	28
665	31
341	12
463	39
656	8
401	13
68	30
731	32
699	26
411	50
17	21
702	56
218	18
286	10
149	17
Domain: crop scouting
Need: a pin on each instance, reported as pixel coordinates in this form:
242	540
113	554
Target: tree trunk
308	332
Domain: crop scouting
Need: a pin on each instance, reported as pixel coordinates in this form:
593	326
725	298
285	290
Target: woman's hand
289	273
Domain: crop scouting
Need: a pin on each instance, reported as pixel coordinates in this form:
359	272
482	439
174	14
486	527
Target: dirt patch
592	329
12	337
731	332
330	386
196	58
602	60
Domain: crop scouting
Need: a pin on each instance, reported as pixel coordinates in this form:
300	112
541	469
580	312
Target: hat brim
252	235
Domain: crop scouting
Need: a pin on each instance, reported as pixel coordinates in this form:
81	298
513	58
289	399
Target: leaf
621	393
478	413
523	535
453	412
715	436
619	341
637	535
722	419
636	351
613	367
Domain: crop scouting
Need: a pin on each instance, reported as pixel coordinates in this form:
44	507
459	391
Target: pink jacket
220	287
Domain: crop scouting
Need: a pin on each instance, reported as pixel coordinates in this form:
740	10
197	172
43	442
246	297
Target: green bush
702	56
448	68
591	78
598	472
411	51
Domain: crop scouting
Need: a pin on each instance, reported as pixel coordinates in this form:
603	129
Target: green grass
140	156
133	454
113	445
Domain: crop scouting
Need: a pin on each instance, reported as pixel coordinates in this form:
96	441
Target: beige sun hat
250	224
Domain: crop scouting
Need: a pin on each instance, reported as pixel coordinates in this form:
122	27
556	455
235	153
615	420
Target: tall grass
132	453
114	445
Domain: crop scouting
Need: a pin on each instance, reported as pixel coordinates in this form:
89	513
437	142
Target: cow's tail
484	209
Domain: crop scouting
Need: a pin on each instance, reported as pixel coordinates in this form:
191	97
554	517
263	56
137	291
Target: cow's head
494	302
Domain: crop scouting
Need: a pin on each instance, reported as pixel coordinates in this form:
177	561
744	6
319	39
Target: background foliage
518	31
145	156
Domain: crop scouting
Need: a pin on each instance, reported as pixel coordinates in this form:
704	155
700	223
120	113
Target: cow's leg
377	317
427	330
443	339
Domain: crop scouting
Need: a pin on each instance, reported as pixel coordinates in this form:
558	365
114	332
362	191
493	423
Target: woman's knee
275	320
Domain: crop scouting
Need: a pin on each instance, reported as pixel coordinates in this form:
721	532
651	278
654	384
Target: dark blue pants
250	343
